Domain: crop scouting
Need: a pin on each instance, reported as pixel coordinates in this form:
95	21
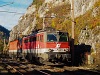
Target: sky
11	11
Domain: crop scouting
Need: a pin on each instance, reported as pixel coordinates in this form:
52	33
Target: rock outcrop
28	21
90	37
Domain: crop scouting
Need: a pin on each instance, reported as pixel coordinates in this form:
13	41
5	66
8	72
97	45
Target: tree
1	45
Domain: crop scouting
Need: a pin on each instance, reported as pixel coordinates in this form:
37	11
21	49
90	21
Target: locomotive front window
51	38
63	37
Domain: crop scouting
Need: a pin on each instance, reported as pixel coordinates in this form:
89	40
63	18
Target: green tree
1	45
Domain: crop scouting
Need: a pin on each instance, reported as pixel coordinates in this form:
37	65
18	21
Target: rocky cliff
38	9
86	12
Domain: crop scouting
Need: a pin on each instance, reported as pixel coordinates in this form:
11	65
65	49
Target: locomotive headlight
66	49
50	50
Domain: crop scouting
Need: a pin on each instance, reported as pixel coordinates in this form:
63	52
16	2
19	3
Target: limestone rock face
29	20
90	36
81	6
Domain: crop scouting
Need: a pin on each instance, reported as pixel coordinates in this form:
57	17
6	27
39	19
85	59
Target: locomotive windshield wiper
63	37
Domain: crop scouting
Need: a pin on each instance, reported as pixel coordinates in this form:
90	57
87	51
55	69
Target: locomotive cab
58	46
54	47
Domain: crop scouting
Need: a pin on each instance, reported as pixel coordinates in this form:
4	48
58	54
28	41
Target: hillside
87	20
4	30
4	34
33	18
87	13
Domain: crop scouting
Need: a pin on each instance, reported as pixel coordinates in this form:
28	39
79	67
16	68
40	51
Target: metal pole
72	41
43	23
73	23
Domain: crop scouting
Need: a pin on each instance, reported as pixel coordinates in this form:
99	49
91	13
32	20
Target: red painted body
42	42
39	44
13	45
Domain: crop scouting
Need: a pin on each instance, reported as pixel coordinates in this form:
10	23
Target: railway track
14	67
22	68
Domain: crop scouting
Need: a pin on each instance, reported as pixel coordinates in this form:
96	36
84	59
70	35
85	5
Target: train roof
46	29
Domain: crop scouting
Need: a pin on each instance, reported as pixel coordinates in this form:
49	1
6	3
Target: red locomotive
44	45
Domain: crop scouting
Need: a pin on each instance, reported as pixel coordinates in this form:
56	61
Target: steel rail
14	69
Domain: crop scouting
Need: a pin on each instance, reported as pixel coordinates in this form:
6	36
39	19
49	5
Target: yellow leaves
38	2
58	27
53	23
1	44
97	4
